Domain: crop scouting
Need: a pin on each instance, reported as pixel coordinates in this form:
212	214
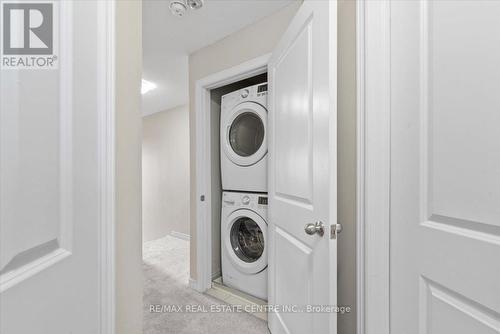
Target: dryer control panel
244	94
262	89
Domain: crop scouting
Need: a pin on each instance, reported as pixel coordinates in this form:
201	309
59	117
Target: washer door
245	134
246	241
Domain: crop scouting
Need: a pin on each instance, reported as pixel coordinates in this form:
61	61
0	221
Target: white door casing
302	170
239	72
56	182
440	265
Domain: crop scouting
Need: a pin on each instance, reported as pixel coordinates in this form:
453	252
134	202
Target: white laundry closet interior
239	202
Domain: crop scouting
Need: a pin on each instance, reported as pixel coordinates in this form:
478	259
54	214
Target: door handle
315	228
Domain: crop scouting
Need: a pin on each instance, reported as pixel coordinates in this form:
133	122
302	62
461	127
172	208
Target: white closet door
302	172
49	163
445	167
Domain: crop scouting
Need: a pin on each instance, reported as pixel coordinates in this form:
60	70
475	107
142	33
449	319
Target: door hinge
335	229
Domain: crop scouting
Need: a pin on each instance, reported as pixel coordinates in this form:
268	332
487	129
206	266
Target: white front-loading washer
243	139
244	242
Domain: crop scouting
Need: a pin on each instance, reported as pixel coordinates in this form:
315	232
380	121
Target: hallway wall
165	173
128	246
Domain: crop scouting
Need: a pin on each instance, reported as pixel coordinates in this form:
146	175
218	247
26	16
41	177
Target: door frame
106	165
373	165
203	86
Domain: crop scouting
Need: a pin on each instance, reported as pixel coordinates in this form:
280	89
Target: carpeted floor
166	274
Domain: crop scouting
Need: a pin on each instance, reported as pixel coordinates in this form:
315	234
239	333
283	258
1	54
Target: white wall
165	173
253	41
128	269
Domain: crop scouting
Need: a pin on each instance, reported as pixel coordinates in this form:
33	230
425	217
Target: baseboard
235	297
193	284
216	275
180	235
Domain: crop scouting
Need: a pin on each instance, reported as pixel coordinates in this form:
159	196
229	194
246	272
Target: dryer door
246	241
245	134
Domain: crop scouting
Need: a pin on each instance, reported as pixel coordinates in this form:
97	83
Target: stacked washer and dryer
244	184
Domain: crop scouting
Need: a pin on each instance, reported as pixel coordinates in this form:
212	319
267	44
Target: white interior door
302	171
445	167
49	194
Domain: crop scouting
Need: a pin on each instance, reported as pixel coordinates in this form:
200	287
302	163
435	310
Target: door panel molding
302	255
433	295
24	262
301	190
425	117
465	228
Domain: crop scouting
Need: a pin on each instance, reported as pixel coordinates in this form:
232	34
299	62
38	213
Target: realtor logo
28	35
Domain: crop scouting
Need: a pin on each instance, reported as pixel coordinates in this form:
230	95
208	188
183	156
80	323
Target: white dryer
244	242
243	139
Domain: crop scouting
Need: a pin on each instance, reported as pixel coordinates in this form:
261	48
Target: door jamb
360	173
106	165
373	166
203	237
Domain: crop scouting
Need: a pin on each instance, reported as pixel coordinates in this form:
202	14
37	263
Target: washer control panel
262	200
245	200
244	93
250	200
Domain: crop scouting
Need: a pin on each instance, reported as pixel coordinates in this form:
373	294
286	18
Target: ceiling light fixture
147	86
179	7
195	4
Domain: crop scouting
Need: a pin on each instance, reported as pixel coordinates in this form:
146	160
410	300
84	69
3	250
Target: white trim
11	278
180	235
193	284
66	126
374	110
203	161
106	148
424	112
216	275
360	175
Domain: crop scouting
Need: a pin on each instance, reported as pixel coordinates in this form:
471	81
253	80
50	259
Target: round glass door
247	239
246	133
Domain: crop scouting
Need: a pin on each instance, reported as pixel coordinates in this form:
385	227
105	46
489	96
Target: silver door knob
313	228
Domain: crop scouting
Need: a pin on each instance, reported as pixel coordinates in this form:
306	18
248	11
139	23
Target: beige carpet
166	274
